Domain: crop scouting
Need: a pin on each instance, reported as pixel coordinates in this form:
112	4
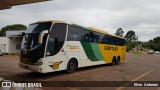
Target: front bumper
34	68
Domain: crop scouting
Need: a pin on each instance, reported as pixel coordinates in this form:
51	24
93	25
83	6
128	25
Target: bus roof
56	21
89	28
97	30
102	31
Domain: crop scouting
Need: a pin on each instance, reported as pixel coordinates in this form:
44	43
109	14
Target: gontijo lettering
110	48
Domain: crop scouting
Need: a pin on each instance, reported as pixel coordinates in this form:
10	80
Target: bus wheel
113	61
117	61
71	67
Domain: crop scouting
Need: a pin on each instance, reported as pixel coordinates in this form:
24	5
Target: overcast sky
141	16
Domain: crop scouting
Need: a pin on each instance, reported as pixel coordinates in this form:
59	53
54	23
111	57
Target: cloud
142	16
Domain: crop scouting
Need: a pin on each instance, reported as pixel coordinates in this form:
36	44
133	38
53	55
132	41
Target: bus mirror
49	32
40	39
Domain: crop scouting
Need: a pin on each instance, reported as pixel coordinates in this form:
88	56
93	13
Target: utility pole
137	43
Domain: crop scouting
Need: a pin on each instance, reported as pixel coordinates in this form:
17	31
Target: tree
130	36
119	32
15	27
153	44
130	45
156	40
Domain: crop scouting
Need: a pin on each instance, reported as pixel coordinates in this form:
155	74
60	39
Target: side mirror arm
40	38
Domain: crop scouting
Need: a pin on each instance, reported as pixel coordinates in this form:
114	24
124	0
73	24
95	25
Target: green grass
138	53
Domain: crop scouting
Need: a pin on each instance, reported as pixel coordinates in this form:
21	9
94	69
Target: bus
50	46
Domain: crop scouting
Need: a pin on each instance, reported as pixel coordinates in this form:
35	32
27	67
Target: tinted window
74	33
56	38
121	42
105	39
92	36
85	35
111	40
37	28
81	34
115	40
97	37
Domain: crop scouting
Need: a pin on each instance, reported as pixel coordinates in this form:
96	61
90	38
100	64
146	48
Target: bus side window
111	40
105	39
115	41
74	33
56	38
97	37
122	42
50	46
85	36
92	36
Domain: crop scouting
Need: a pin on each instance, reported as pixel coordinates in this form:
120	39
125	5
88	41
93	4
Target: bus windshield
35	40
39	27
30	44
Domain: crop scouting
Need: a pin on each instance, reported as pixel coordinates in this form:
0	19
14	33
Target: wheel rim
118	60
113	62
71	66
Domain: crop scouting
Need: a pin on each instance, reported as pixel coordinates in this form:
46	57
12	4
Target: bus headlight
38	63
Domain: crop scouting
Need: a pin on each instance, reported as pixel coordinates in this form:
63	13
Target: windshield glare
31	28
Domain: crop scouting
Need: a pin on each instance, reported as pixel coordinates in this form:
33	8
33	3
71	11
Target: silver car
150	52
156	52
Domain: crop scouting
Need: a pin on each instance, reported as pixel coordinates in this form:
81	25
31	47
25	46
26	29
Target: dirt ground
142	67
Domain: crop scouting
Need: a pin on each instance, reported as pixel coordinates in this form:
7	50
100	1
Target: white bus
50	46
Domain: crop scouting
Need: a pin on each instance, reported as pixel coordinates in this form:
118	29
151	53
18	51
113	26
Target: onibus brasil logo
24	84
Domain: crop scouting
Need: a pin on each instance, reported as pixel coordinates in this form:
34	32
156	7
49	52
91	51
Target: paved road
142	67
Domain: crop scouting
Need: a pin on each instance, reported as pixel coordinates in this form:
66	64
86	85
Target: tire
117	61
113	61
71	66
